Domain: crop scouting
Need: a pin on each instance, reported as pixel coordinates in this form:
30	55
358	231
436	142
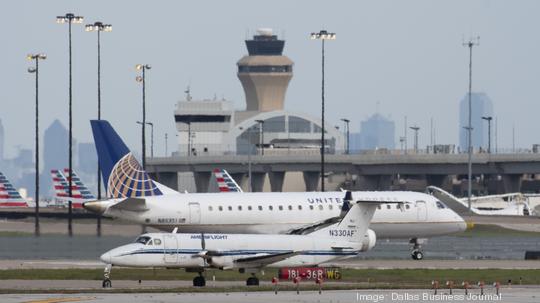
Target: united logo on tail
9	196
122	174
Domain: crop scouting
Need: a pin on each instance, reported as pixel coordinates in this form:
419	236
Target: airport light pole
142	79
35	70
98	27
416	129
249	130
166	144
322	35
70	19
151	137
488	119
261	134
470	44
347	134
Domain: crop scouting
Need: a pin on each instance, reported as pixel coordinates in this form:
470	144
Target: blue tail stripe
109	146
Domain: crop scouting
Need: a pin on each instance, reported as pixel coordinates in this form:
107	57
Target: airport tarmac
352	263
514	295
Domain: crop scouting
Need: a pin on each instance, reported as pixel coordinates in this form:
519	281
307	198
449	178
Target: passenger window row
271	207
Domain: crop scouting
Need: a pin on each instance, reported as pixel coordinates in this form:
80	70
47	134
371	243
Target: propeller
203	253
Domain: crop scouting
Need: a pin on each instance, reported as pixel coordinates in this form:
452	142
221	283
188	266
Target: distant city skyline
407	55
482	106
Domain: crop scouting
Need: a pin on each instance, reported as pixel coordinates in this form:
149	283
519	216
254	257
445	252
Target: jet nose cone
106	258
95	206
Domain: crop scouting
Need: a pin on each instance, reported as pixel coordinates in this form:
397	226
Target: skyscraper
481	107
55	154
375	132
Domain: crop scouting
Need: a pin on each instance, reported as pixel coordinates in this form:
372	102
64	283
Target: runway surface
515	295
353	263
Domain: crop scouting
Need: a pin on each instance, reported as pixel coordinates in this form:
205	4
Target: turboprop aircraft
249	252
134	197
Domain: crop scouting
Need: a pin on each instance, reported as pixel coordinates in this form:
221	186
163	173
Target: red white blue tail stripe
225	182
9	196
79	191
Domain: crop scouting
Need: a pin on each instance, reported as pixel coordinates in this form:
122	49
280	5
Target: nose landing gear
106	277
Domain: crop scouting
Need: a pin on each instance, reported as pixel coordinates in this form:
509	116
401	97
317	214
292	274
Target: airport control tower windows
265	69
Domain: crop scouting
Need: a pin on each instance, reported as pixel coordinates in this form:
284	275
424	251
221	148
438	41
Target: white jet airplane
513	204
247	252
134	197
79	192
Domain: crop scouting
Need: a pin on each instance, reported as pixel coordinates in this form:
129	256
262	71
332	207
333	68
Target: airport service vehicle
9	196
513	204
133	196
79	192
249	252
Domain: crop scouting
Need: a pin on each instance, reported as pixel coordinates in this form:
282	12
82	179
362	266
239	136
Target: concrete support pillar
257	181
276	180
202	180
512	183
436	180
367	182
311	179
169	179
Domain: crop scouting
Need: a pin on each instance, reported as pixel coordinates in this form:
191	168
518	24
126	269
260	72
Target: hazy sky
408	55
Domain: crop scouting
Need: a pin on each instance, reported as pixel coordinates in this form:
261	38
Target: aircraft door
170	244
421	210
194	213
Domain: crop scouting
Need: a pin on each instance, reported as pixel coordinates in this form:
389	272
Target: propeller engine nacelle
220	261
369	240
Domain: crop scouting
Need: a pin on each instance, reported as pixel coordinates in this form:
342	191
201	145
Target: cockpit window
143	239
440	205
150	243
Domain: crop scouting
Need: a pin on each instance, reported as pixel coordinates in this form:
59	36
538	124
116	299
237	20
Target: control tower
265	73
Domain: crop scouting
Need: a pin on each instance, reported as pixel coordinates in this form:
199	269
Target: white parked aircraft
137	198
514	204
79	192
248	252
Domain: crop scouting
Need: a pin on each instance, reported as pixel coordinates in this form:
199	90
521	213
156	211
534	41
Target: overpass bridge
370	171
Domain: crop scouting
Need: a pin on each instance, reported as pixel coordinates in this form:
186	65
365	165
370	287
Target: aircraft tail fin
225	182
123	176
450	200
9	196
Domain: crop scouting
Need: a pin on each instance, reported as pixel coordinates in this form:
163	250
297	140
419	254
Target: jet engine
369	240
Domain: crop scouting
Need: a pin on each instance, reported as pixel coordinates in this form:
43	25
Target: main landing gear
416	253
252	281
106	277
199	281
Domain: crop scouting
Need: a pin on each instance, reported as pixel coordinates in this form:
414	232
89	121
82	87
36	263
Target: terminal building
264	127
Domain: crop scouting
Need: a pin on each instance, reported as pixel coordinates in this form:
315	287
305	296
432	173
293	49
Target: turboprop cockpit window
440	205
143	240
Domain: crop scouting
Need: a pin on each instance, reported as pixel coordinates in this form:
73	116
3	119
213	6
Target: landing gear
106	277
252	281
417	253
199	281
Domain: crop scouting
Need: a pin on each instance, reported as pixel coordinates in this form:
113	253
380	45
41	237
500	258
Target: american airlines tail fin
79	191
225	182
123	176
9	196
